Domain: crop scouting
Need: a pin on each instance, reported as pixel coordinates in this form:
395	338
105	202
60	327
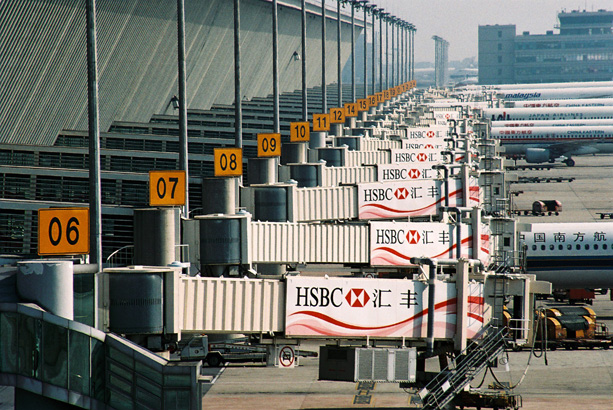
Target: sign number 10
299	131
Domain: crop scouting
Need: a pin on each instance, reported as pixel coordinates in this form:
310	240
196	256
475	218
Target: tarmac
570	379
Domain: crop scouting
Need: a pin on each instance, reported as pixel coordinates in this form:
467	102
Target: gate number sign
63	231
166	188
321	122
228	162
299	131
337	115
269	145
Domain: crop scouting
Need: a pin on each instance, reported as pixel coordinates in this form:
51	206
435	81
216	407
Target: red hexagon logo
414	173
430	134
421	157
429	146
401	193
447	116
357	297
413	237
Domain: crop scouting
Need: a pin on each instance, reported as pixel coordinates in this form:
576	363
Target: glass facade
65	355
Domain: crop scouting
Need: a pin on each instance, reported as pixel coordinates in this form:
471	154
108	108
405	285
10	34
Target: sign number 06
63	231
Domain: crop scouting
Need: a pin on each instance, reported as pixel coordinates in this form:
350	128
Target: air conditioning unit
367	364
386	365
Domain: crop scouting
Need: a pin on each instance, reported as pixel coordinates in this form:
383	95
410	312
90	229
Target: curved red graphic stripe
393	252
479	300
338	323
465	240
385	208
476	317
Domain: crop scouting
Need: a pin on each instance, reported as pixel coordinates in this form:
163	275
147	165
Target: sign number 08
228	161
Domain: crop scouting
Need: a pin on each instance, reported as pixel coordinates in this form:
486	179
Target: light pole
305	112
338	45
324	88
381	17
275	67
373	10
365	7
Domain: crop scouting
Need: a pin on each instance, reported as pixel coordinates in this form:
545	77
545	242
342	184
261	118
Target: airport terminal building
581	51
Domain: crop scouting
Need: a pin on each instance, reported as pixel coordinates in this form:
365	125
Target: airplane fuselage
571	255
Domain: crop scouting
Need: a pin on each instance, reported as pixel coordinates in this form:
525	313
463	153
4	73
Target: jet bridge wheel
214	360
569	162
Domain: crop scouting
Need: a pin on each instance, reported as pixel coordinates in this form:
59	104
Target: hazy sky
457	21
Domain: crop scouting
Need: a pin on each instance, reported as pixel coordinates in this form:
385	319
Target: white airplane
576	84
579	102
534	94
538	114
571	255
552	123
546	144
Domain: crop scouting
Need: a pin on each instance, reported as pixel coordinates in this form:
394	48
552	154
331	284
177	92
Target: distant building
581	51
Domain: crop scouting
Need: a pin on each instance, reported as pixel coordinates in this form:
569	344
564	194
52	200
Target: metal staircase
463	369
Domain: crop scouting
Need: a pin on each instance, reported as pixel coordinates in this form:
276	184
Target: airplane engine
537	155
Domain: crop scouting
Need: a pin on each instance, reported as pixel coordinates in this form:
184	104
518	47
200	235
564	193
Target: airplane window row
570	247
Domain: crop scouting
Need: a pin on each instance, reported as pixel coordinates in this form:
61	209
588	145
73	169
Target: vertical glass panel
146	400
176	399
8	342
29	346
119	401
177	380
55	355
84	298
79	379
98	364
151	374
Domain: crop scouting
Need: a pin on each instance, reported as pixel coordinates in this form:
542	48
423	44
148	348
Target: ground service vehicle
218	353
549	207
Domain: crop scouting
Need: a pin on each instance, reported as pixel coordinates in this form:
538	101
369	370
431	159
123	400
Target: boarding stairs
463	369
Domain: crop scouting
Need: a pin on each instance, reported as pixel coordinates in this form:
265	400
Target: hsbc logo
324	297
430	134
413	237
401	193
357	297
421	157
447	116
429	146
414	173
